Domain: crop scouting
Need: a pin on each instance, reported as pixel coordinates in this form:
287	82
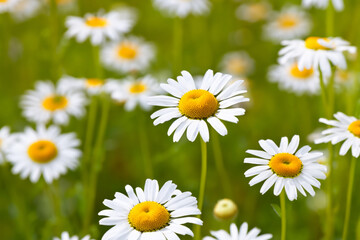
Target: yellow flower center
285	165
313	43
3	1
296	72
127	51
54	103
236	66
96	22
137	88
354	128
42	151
94	82
198	104
148	216
287	21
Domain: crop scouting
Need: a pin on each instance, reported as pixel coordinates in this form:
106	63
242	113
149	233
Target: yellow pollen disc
94	82
137	88
127	51
305	73
3	1
354	128
54	103
198	104
287	21
148	216
96	22
312	43
42	151
285	165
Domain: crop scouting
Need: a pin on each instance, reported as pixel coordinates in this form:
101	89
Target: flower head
253	11
338	4
6	139
237	63
182	8
66	236
7	5
225	209
25	9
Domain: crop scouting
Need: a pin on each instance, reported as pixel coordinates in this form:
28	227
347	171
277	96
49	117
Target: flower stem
197	230
283	214
349	198
178	41
144	143
96	59
330	20
54	38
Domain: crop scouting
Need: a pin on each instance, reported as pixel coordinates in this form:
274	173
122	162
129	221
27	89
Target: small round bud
225	209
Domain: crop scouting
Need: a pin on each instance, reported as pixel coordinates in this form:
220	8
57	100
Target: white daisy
291	22
182	8
130	54
65	6
344	128
241	234
98	27
6	139
150	213
25	9
283	167
48	102
44	151
338	4
344	78
66	236
254	11
6	5
237	63
134	92
93	86
192	106
316	53
291	78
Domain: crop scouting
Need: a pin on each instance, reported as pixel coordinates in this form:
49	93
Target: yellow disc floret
286	165
354	128
94	82
198	104
127	51
313	43
148	216
55	102
137	88
287	21
96	22
296	72
42	151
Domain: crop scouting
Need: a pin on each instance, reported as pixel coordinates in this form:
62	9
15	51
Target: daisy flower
286	167
98	27
44	151
150	213
316	52
338	4
93	86
66	236
130	54
241	234
237	63
291	78
48	102
25	9
344	128
193	106
291	22
181	8
344	78
253	12
134	92
6	5
6	140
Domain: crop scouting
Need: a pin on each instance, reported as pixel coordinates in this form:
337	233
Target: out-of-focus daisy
65	5
98	27
237	63
130	54
181	8
344	128
238	234
44	151
253	12
92	86
48	102
150	213
316	52
338	4
192	106
225	209
134	92
6	5
285	167
25	9
5	141
298	81
66	236
344	78
291	22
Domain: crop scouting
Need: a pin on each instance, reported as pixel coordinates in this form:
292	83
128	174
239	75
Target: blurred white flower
92	86
6	5
338	4
237	64
6	139
254	11
66	236
25	9
182	8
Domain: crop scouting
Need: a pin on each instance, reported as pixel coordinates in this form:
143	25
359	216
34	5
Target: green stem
283	214
97	64
54	37
144	143
53	194
197	230
330	20
349	198
178	41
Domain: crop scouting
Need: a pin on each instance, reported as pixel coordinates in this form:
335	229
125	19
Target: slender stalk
349	198
96	59
197	228
52	192
54	38
283	214
178	42
144	145
330	20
